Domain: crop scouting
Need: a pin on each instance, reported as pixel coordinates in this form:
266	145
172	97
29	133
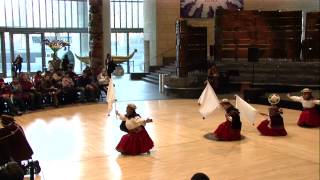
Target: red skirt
268	131
17	144
135	143
224	132
309	118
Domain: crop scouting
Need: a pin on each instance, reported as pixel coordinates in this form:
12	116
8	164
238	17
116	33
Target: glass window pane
80	14
74	48
135	15
2	14
35	52
68	14
8	54
9	13
84	47
55	13
49	52
49	13
16	17
117	15
112	14
43	13
129	15
62	14
23	13
122	44
136	42
113	44
64	37
123	14
85	14
36	14
74	14
141	15
29	13
20	47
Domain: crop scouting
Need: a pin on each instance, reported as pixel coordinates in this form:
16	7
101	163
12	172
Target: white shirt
305	103
133	123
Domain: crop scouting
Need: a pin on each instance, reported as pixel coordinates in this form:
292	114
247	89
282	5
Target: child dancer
230	129
276	121
309	116
137	139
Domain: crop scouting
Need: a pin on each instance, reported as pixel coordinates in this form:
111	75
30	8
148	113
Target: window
126	19
48	18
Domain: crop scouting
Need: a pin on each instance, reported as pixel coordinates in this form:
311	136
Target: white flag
246	110
111	95
208	101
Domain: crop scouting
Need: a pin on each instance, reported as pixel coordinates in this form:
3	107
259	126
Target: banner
206	8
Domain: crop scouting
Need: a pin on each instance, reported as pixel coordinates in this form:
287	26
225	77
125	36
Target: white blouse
133	123
305	103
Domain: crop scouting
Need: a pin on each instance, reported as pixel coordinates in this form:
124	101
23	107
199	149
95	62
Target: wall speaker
253	54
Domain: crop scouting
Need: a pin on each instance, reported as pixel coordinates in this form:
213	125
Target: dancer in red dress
276	127
137	139
13	142
310	116
230	129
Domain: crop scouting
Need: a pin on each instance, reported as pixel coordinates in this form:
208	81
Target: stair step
147	79
155	77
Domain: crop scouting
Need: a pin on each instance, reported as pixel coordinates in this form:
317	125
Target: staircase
153	77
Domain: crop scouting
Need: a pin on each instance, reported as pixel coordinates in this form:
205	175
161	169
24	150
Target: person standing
110	65
17	63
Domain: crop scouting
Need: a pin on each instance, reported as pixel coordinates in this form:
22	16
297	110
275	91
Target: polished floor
77	142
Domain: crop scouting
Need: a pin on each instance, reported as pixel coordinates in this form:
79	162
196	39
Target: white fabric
246	110
208	101
305	103
111	96
133	123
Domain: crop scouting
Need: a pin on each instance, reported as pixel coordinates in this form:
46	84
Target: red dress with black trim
229	130
276	126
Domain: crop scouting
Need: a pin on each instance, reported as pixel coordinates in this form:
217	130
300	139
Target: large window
43	13
127	32
24	24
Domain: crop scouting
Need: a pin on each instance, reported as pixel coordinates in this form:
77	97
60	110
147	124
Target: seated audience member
68	89
37	79
49	91
29	89
103	81
6	99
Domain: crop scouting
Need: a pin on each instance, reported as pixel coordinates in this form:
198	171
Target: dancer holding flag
137	139
276	121
230	129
